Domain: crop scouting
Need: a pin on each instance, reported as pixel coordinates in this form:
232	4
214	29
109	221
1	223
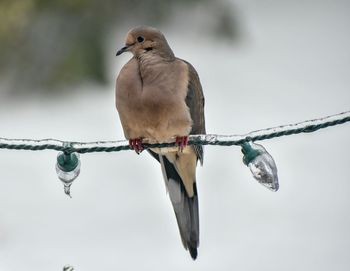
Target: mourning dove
159	97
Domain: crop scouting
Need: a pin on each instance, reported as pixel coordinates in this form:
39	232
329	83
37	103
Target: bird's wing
195	102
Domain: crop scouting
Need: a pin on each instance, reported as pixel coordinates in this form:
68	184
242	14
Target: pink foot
136	145
182	142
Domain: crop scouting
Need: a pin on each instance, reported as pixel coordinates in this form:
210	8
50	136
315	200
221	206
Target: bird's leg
136	145
182	142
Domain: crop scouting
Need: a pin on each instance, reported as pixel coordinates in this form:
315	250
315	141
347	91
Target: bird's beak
122	50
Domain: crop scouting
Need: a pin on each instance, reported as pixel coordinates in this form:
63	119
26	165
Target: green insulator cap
249	153
67	162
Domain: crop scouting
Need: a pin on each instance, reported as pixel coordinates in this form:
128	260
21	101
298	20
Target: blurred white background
292	64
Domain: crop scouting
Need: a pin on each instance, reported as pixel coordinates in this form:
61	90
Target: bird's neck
151	65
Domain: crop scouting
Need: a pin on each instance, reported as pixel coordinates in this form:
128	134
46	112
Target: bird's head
146	40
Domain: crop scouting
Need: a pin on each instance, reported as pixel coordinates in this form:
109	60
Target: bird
159	98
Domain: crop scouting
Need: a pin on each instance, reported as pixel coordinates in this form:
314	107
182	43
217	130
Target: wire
209	139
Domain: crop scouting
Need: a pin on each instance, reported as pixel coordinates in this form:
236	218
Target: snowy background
293	64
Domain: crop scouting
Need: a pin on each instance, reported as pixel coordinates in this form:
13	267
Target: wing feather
195	102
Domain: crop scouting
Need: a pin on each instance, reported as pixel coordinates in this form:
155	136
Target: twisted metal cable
210	139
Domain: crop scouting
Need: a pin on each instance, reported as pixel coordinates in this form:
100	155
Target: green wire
68	147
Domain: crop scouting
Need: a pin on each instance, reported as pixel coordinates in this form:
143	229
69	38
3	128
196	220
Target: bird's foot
181	142
136	145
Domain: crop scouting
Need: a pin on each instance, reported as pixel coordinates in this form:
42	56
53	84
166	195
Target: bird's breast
156	107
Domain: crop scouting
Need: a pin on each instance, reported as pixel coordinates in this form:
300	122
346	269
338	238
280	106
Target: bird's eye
140	39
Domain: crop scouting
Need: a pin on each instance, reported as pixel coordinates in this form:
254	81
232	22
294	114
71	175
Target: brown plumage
159	97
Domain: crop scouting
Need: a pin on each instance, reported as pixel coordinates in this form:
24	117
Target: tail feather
185	207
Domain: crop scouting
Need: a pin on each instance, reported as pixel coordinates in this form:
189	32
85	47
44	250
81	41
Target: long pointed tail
185	207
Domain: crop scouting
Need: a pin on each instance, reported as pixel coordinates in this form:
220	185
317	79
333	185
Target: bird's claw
136	145
181	142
